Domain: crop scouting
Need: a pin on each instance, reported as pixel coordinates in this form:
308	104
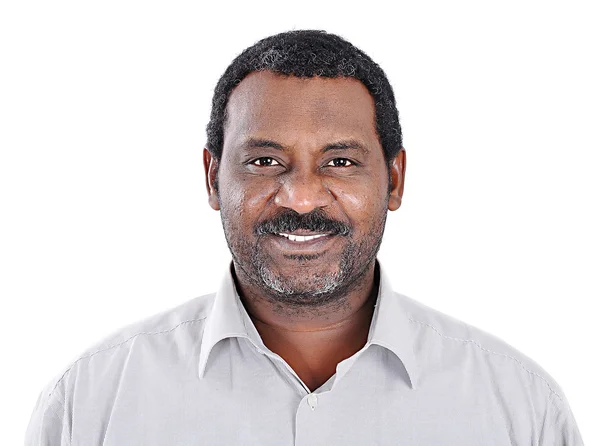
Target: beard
311	283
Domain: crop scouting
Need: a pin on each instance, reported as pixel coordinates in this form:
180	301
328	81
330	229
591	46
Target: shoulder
458	359
181	324
191	312
462	344
99	368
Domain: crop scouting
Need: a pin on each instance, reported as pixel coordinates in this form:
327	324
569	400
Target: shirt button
312	401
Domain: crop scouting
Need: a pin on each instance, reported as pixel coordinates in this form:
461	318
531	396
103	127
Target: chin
304	286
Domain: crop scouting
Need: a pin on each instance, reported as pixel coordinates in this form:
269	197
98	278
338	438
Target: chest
256	402
263	417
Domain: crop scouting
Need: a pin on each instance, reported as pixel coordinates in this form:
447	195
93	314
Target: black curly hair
309	53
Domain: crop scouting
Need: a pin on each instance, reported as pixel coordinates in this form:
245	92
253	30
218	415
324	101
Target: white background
104	214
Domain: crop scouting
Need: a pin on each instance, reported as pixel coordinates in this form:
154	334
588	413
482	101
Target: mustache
314	221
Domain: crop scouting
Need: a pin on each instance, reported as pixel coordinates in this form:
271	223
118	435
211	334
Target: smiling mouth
301	238
302	241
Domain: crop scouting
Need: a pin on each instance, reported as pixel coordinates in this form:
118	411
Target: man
305	342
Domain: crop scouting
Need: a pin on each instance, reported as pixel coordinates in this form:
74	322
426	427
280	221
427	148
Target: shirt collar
389	327
227	319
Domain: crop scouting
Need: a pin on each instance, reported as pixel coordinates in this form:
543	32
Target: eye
340	162
264	161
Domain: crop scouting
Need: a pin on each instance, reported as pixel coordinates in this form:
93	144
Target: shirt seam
492	352
118	345
550	403
59	415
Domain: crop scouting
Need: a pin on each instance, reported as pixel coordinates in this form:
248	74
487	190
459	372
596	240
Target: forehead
266	104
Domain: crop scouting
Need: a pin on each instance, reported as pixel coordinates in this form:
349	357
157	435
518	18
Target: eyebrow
344	145
261	143
338	145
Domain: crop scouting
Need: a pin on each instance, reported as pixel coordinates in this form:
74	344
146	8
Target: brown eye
265	161
340	162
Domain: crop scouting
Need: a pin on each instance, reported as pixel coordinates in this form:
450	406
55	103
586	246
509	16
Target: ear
211	167
397	170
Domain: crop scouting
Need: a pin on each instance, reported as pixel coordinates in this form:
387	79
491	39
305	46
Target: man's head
305	141
308	54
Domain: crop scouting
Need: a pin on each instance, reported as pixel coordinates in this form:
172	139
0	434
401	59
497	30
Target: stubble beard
299	291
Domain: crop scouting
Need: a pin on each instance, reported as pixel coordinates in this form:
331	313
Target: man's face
302	185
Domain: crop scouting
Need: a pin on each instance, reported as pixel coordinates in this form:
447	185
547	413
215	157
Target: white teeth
301	238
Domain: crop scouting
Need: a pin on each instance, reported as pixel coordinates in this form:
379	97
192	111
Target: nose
303	192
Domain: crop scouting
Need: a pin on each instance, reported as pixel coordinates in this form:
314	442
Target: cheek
258	194
352	200
244	199
363	205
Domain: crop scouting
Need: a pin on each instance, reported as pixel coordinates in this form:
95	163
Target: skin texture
302	156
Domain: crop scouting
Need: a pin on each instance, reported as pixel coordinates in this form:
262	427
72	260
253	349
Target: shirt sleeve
48	425
559	427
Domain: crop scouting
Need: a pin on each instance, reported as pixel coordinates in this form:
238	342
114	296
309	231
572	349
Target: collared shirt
199	374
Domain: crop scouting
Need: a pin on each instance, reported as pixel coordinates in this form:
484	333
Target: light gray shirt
199	374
